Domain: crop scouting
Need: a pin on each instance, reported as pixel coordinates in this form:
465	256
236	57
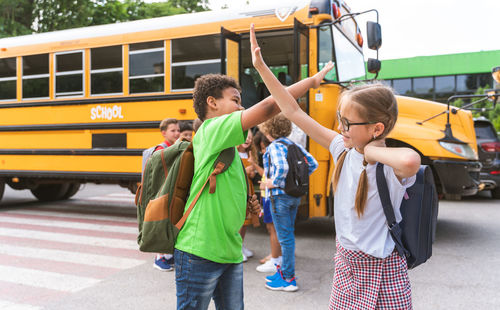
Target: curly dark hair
277	127
210	85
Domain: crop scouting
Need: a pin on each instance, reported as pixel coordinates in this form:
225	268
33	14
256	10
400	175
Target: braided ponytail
361	192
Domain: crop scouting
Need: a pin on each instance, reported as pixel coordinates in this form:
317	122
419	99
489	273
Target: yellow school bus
81	105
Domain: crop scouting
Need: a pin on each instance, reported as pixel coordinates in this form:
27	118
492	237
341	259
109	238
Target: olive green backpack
163	192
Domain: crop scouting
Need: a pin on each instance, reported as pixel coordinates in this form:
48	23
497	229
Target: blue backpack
415	233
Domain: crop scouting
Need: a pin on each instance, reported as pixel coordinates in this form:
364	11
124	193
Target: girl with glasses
369	273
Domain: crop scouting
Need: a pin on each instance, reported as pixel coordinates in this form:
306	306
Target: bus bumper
458	178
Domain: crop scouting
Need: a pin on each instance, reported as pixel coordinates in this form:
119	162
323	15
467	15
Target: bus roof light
359	37
336	10
313	10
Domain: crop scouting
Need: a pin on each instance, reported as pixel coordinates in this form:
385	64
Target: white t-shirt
369	233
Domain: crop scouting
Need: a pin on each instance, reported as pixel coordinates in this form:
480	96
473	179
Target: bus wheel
50	192
2	188
72	190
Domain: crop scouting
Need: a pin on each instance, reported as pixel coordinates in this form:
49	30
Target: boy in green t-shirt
208	259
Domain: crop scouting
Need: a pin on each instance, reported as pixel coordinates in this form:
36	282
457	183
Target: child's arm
267	108
403	160
286	102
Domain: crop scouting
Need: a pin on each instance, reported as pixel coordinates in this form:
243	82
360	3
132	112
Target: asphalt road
463	272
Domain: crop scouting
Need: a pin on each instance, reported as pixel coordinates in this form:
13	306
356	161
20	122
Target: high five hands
259	64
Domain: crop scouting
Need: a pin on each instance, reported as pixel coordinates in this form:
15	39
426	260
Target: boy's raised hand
318	77
257	59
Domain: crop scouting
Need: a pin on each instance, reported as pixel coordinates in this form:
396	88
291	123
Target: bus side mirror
374	33
373	65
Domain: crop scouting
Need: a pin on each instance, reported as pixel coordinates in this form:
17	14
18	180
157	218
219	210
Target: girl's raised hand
257	59
318	77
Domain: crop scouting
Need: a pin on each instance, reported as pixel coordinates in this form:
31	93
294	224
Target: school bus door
230	53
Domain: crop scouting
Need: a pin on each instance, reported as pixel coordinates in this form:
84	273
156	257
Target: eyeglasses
346	125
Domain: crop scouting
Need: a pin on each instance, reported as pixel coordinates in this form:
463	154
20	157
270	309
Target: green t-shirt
212	229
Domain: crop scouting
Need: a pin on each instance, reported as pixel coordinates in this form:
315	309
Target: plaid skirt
362	281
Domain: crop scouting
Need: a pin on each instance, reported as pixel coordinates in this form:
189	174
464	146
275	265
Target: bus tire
50	192
2	188
495	193
72	190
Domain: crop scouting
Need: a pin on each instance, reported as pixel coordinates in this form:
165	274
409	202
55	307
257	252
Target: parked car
488	145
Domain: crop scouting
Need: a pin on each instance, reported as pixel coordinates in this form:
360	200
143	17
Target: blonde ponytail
362	191
338	169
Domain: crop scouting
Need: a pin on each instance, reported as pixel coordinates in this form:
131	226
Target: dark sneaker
163	264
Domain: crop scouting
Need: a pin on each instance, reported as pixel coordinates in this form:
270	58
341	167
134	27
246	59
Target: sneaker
280	284
245	258
274	276
246	252
267	267
164	264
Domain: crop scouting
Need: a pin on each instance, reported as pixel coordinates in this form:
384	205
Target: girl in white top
369	274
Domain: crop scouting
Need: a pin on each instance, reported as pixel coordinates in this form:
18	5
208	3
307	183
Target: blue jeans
284	210
198	280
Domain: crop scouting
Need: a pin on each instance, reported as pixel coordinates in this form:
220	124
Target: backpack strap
221	164
395	229
383	192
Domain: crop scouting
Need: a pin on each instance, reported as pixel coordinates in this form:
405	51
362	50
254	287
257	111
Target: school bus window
192	58
8	78
146	67
36	76
69	74
325	51
106	70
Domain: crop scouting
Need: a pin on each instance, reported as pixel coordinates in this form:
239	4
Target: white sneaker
246	252
245	259
267	267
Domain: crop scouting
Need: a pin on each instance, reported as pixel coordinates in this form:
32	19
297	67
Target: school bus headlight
463	150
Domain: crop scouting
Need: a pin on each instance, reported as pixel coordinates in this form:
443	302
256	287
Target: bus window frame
11	78
184	63
34	76
74	72
341	32
116	69
143	51
334	54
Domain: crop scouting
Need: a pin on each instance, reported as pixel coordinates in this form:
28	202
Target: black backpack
297	178
415	233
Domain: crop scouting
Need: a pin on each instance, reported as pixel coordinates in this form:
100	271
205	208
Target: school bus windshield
333	44
349	59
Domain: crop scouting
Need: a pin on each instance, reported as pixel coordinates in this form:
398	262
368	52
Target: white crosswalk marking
5	305
75	215
50	280
48	236
49	223
71	257
74	246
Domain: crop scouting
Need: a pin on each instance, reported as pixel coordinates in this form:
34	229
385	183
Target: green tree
191	5
20	17
484	108
15	17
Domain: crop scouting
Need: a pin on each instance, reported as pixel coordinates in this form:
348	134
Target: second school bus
80	105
